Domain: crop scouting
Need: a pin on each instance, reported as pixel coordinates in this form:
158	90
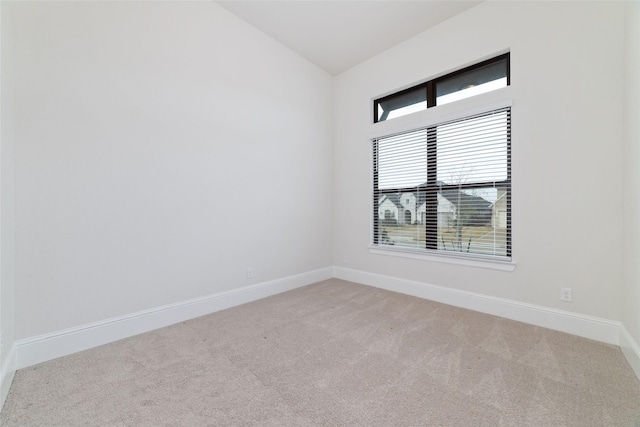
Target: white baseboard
41	348
594	328
631	350
30	351
7	371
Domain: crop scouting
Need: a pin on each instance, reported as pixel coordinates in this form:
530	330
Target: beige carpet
334	354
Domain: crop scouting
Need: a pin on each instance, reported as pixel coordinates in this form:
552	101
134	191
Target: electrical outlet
250	273
566	294
345	259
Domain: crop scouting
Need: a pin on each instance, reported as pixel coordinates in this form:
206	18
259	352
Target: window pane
402	160
401	219
473	220
401	103
473	82
474	150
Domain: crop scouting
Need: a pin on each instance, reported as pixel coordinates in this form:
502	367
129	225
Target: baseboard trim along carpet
46	347
594	328
31	351
630	349
7	372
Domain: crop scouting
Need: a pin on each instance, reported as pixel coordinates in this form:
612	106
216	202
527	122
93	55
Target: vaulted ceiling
336	35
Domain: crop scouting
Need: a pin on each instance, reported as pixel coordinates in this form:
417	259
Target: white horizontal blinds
401	169
473	174
402	160
473	221
474	149
447	187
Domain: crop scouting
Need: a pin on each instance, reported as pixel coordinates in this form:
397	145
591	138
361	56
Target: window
401	103
479	78
457	176
474	80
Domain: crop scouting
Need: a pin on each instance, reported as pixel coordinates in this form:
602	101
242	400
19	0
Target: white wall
567	86
7	286
161	149
631	291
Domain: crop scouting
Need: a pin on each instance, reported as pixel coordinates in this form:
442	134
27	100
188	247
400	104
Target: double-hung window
446	187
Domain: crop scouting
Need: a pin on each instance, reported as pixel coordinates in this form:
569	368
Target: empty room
320	213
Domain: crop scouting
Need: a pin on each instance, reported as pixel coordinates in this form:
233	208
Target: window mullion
376	195
431	208
431	95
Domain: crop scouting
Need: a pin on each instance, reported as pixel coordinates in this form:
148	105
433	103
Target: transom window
483	77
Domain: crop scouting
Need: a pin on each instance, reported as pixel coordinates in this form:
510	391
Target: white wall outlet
345	259
566	294
250	273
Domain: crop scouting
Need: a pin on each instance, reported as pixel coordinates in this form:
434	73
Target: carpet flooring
334	353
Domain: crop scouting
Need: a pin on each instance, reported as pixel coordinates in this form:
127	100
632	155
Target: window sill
479	262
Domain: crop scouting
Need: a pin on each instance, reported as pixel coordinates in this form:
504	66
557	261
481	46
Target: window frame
430	85
431	190
430	117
